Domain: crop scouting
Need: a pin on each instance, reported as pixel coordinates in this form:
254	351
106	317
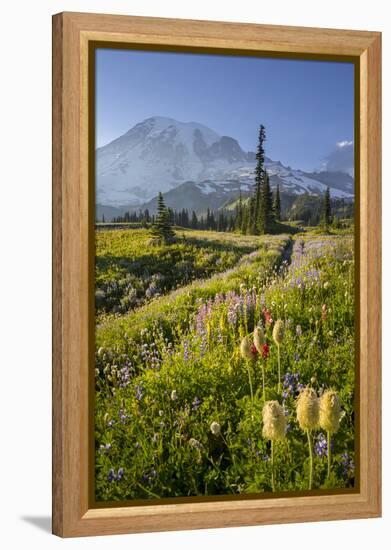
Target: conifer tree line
221	220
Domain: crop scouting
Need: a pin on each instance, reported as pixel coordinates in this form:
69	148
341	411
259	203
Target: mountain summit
161	154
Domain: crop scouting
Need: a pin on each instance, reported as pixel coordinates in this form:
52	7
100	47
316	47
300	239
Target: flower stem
250	383
272	457
228	447
279	369
311	460
263	381
328	455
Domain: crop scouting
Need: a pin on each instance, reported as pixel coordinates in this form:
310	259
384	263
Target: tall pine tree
162	226
239	213
194	220
251	221
266	214
259	177
277	204
327	209
245	219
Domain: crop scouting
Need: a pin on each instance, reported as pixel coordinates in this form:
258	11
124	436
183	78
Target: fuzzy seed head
307	409
259	338
329	411
215	428
246	349
274	423
278	332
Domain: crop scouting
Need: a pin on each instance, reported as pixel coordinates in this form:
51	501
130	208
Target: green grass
172	314
131	271
169	369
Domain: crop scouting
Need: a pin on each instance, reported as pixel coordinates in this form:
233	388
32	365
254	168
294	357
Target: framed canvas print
216	294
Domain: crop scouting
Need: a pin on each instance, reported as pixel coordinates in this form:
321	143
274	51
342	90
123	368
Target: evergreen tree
170	215
208	220
259	177
245	219
162	226
239	213
212	221
277	204
251	225
194	221
266	214
103	218
222	222
327	209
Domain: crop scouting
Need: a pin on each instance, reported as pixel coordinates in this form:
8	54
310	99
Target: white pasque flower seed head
307	409
274	422
215	428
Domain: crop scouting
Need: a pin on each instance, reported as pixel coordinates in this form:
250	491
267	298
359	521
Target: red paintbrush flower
267	315
265	351
254	350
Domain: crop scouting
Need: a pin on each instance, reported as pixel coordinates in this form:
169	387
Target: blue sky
307	107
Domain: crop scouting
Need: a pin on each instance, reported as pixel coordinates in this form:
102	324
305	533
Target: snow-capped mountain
162	154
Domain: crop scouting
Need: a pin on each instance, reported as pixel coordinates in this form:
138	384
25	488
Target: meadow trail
287	252
131	272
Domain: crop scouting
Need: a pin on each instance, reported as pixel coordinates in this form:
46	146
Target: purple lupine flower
139	391
232	314
150	356
321	445
348	465
120	474
123	416
111	476
203	345
186	351
196	403
124	375
291	385
149	476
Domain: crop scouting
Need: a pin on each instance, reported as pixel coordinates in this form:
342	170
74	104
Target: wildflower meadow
225	364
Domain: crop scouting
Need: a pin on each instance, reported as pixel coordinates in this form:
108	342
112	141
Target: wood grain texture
72	33
370	272
57	462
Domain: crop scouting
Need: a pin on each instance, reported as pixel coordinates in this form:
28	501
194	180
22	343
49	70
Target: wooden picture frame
73	33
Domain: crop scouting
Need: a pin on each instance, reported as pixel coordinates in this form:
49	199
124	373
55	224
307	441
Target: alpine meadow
224	278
